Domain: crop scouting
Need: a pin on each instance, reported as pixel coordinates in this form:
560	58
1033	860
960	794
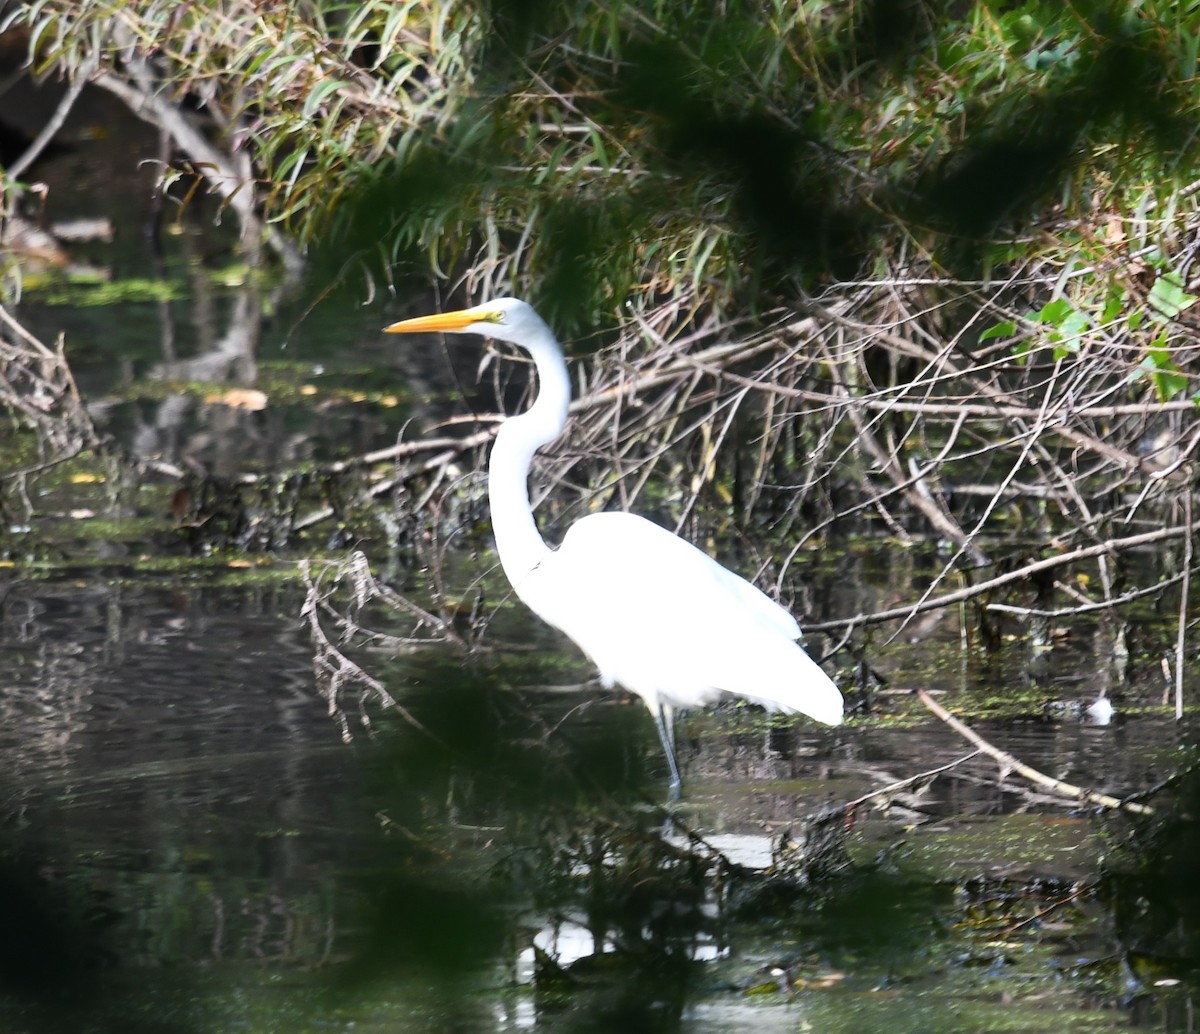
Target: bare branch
1085	553
1010	763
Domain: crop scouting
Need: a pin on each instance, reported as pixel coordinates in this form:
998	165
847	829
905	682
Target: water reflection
1150	882
175	795
185	835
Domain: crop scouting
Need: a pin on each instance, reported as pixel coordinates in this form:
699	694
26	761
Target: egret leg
664	718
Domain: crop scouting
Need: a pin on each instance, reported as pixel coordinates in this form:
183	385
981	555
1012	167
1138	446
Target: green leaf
1075	323
318	93
1168	384
1167	296
1113	305
1053	313
1005	329
1159	364
1070	329
601	155
1158	353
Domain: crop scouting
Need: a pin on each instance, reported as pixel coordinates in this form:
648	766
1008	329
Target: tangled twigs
36	382
913	489
1010	763
1022	573
1184	598
1080	890
664	373
335	671
882	798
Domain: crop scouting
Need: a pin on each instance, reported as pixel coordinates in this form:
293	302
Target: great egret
654	613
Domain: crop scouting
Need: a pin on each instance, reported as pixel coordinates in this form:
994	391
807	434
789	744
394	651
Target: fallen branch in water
915	784
1007	762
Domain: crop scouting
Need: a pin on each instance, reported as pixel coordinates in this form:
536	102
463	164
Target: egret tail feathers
784	678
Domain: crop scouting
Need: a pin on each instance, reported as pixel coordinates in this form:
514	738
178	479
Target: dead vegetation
1051	469
39	392
791	353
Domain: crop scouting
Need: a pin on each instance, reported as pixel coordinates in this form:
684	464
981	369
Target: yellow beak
439	322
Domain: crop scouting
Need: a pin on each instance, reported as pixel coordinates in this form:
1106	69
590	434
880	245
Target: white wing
666	621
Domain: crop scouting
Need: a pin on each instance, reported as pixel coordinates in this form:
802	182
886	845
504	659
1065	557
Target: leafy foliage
964	235
618	151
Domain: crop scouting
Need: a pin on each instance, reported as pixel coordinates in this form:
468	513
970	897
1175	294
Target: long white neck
517	539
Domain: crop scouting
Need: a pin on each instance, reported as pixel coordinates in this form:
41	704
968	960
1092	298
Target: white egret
654	613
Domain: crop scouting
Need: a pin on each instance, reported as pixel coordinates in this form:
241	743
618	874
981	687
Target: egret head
508	319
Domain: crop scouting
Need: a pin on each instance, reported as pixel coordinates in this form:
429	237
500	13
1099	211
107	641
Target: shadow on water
187	845
54	953
1151	888
494	817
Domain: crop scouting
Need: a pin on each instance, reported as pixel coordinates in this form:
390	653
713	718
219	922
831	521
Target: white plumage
657	615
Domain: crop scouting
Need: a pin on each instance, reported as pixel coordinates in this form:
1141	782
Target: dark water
187	844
